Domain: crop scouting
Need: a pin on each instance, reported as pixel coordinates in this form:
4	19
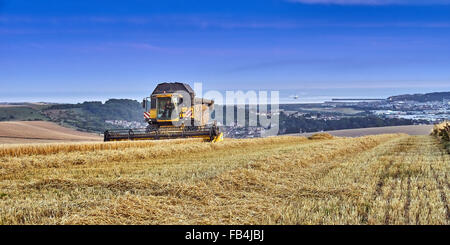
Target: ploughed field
380	179
18	132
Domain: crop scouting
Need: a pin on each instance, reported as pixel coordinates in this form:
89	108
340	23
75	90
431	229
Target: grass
21	114
382	179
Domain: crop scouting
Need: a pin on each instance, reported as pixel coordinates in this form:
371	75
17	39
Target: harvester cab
172	111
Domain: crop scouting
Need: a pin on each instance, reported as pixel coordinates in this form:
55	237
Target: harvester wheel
151	128
106	136
130	134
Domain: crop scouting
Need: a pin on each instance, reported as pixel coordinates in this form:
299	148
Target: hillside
437	96
91	116
383	179
86	116
40	131
21	113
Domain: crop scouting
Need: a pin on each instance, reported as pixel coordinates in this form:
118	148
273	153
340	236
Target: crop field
379	179
19	132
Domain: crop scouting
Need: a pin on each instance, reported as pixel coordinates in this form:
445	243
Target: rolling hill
40	131
86	116
436	96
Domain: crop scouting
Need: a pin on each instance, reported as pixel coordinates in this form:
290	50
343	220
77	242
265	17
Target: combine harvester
172	112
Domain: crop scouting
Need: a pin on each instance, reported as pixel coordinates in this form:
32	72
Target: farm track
384	179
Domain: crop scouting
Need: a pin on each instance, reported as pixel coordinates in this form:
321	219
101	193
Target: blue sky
74	50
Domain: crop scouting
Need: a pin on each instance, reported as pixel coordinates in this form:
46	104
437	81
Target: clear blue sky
52	49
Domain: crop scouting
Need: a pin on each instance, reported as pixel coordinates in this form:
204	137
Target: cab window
166	107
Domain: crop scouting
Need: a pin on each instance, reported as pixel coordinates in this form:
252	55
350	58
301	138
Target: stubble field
382	179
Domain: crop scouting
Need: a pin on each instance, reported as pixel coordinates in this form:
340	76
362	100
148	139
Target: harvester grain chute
172	111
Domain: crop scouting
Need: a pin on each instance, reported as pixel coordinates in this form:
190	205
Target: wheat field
380	179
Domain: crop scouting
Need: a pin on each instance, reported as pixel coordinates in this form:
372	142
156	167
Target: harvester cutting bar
207	133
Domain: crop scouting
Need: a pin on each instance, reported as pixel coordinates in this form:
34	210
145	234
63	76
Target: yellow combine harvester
172	112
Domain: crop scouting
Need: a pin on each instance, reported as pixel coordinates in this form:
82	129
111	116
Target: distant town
433	111
355	113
